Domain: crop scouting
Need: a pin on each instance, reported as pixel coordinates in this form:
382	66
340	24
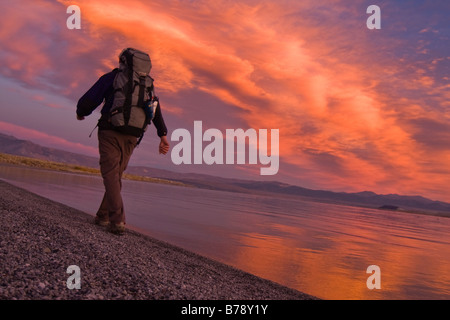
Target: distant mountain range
14	146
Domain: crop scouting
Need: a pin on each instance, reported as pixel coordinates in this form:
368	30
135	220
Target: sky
356	109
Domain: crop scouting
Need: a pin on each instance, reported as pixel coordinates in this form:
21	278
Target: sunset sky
357	109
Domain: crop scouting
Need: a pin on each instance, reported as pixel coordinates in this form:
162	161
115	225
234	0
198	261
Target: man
115	148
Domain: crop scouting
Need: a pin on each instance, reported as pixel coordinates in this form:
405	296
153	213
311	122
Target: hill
14	146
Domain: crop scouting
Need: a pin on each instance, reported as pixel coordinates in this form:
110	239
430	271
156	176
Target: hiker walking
129	106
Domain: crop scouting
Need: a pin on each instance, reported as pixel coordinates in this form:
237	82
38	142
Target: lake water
320	249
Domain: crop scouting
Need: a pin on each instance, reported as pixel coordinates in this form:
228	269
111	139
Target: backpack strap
141	91
128	91
142	88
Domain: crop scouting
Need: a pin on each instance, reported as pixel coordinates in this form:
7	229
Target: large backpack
133	94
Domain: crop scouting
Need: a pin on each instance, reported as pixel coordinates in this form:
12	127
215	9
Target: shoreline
21	161
42	238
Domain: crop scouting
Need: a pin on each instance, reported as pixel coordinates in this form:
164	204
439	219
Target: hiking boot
101	222
117	228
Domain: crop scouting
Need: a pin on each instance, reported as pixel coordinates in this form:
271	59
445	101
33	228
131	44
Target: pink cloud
344	107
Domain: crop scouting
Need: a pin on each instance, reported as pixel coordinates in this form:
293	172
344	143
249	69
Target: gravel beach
40	239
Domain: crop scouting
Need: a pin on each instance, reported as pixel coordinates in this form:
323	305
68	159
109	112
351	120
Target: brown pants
115	152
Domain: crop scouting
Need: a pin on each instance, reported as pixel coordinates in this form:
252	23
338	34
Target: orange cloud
349	112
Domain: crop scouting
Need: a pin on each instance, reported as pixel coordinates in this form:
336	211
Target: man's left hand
164	145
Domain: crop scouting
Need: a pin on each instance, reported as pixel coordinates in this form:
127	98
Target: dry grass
73	168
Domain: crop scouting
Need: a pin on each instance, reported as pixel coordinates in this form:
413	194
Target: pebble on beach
40	239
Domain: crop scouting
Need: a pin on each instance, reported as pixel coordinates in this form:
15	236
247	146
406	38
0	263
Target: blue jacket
101	91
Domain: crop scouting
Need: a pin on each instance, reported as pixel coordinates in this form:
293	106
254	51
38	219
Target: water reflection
320	249
333	265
